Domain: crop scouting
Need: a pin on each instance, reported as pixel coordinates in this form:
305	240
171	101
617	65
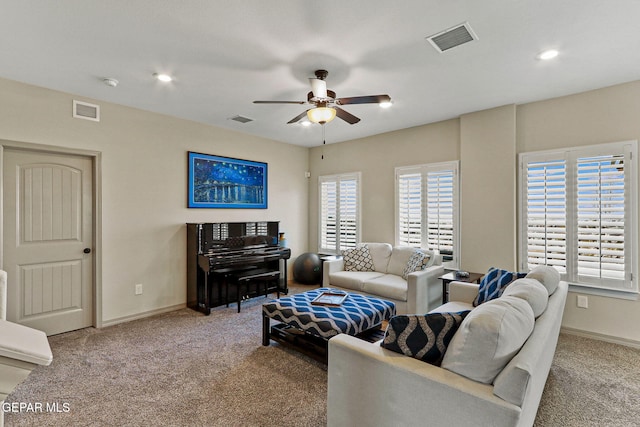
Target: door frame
96	167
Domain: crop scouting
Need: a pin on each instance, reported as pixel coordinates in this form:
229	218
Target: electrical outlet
139	289
583	301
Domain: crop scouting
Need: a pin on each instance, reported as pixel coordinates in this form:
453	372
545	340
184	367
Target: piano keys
218	254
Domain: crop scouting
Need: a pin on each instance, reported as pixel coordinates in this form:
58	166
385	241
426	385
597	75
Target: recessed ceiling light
385	104
110	82
548	54
305	123
166	78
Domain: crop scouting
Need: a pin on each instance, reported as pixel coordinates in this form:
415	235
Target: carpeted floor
184	368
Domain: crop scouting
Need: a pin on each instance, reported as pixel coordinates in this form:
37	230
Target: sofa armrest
369	385
424	290
463	292
329	267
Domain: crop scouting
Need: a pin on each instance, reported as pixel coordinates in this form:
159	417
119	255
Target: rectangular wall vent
452	37
241	119
84	110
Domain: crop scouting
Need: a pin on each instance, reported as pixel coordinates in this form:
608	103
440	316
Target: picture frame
226	182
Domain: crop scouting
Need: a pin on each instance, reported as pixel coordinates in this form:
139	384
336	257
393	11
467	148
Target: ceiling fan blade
371	99
298	117
346	116
279	102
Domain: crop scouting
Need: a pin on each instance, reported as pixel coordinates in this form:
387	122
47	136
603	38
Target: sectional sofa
478	382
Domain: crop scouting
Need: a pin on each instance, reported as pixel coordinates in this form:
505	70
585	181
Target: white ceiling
225	54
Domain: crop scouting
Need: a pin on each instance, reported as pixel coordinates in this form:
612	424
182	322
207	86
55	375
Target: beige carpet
184	368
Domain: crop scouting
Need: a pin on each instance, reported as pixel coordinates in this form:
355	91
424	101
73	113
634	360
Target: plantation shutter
427	208
410	209
348	213
546	214
579	214
601	217
328	215
440	210
339	212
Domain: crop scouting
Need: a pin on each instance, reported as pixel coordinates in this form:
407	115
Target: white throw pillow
532	292
488	338
548	276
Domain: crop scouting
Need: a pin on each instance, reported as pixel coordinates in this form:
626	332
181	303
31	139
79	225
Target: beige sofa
371	386
419	293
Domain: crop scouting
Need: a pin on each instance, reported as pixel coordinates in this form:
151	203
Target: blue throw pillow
493	284
422	336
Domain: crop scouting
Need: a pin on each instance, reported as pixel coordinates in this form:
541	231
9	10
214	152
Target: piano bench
260	276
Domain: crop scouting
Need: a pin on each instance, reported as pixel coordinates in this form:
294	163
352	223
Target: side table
451	277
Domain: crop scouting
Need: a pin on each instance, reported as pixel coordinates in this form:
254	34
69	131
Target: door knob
87	250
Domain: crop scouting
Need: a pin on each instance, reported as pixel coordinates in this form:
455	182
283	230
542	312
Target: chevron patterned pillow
418	261
357	259
494	283
424	337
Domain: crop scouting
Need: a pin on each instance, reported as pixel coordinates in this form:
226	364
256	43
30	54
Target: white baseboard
601	337
141	315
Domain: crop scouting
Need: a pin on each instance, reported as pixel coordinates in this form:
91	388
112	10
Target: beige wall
605	115
487	144
488	189
377	157
144	182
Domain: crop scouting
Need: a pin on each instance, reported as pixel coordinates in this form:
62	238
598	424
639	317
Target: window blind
579	214
427	208
339	212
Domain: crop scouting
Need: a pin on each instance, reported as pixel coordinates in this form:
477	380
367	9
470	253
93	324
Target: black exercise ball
307	269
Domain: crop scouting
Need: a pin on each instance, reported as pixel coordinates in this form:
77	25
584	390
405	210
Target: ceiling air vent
241	119
452	37
84	110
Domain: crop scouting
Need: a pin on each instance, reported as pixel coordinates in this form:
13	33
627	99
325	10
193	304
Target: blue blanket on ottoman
356	314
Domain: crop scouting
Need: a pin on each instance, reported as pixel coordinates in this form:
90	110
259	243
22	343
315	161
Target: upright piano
219	253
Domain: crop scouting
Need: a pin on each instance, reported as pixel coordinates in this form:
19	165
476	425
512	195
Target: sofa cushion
387	286
547	275
532	292
417	262
488	338
380	254
399	259
493	284
357	259
422	336
453	307
352	279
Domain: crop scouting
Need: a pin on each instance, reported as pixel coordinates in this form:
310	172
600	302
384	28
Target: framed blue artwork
224	182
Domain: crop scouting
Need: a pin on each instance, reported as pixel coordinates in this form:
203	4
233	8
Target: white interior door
48	239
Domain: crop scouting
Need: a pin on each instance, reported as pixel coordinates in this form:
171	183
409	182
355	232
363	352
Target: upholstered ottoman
304	323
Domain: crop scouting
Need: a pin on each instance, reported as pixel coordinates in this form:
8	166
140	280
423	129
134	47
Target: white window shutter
410	209
328	215
601	217
339	212
440	210
546	214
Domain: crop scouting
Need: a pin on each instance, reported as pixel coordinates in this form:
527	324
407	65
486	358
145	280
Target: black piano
231	261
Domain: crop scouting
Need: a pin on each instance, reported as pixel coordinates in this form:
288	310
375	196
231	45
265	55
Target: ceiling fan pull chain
324	142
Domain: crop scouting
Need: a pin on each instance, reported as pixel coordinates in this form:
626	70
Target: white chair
21	349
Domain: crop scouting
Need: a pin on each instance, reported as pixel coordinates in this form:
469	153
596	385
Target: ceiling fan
326	104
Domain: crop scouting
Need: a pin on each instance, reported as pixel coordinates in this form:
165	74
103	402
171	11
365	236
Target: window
578	214
427	208
339	212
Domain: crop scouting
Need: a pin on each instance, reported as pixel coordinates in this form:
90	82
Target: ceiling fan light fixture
321	115
319	88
